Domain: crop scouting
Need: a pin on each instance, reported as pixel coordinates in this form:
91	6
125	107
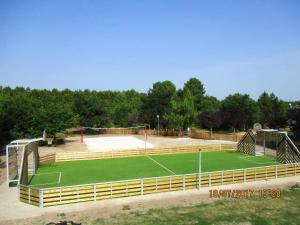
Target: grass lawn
256	211
95	171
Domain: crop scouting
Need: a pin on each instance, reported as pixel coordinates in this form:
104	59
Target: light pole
146	136
81	134
157	125
199	170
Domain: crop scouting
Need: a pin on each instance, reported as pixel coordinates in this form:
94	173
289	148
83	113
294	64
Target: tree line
27	112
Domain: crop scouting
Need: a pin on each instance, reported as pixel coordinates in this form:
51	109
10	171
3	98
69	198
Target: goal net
84	131
113	130
12	162
22	159
272	143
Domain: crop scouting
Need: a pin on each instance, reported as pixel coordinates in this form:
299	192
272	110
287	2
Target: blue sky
231	46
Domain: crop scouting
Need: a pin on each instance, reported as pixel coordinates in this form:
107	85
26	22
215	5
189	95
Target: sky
231	46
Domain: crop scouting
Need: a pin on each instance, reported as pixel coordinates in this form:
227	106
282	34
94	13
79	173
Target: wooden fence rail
71	156
98	191
47	159
29	195
207	135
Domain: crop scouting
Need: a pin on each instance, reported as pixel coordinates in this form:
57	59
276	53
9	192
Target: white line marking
42	184
59	177
45	173
243	158
57	182
251	156
161	165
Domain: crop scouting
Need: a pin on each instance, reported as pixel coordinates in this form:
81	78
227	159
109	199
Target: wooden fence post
142	186
222	177
29	192
110	190
41	198
60	195
78	193
18	192
95	192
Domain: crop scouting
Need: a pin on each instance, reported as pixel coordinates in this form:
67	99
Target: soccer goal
270	142
22	158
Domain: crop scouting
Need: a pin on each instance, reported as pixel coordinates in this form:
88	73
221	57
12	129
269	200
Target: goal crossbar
112	128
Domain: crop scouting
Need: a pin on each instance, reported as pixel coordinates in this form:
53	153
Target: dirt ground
74	144
13	212
2	169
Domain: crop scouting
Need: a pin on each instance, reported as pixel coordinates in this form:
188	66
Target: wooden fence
30	195
71	156
47	159
207	135
99	191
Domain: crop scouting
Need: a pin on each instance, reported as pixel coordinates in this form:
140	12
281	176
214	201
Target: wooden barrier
29	195
72	156
207	135
99	191
47	159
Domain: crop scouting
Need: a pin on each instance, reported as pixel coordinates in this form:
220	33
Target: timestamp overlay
245	193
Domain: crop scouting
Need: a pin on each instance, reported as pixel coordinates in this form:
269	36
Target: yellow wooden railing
99	191
207	135
72	156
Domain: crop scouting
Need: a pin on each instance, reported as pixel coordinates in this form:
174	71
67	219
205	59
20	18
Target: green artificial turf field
104	170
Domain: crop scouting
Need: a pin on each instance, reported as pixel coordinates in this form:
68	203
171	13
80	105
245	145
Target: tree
53	117
196	88
16	111
210	117
126	108
239	111
273	112
158	102
94	109
294	119
25	113
183	111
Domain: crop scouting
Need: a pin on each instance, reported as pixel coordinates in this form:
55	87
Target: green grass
256	211
104	170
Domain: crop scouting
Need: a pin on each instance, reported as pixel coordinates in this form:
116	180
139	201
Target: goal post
12	163
29	162
22	158
270	142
